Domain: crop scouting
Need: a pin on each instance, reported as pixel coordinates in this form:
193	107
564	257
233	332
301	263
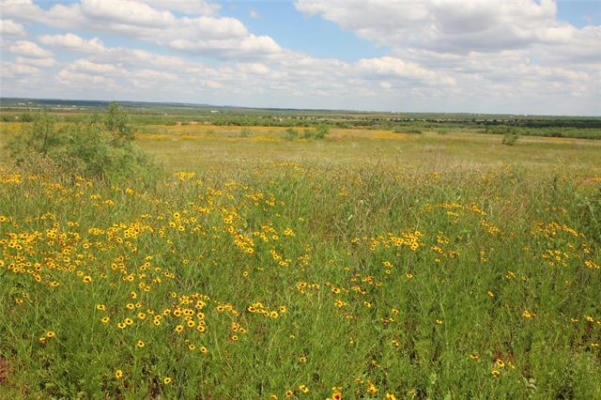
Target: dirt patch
3	371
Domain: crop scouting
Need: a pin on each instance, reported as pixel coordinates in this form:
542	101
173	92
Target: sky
477	56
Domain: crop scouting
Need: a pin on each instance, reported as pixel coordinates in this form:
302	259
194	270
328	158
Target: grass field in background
368	265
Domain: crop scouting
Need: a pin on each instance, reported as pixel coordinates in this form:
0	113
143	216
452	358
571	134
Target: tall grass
288	280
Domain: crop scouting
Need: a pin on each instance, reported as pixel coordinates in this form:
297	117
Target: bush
101	150
321	132
291	133
510	137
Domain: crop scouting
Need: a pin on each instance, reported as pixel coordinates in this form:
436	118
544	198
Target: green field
371	264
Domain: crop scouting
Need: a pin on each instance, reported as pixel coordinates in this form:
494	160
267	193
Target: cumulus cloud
11	28
36	62
447	25
391	67
209	34
28	49
73	42
440	55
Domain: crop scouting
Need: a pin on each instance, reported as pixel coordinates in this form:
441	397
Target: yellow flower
289	393
105	320
140	344
118	374
179	328
87	279
100	307
303	388
167	380
390	396
527	314
495	373
50	334
438	321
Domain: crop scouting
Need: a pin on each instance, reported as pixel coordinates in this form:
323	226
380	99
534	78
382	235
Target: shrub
321	132
291	133
510	137
102	150
245	132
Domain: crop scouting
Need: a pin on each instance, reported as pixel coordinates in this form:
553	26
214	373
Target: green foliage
245	132
414	131
291	133
117	123
321	132
510	137
101	149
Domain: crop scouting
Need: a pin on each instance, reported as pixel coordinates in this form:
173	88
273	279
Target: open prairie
371	264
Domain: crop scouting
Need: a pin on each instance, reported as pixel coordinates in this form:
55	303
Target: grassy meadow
372	264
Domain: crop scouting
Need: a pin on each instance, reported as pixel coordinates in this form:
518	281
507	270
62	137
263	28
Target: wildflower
495	373
289	393
371	389
438	321
167	380
105	320
474	356
527	314
390	396
303	388
50	334
128	321
140	344
87	279
118	374
179	328
100	307
203	350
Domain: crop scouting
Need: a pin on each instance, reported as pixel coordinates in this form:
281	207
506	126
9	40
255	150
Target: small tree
510	137
104	151
117	123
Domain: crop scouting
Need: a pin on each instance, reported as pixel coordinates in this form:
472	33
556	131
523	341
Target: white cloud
440	55
189	7
93	68
73	42
446	25
390	68
28	49
36	62
208	34
10	27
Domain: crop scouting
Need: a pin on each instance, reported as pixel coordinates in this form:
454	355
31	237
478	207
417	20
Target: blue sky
511	56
